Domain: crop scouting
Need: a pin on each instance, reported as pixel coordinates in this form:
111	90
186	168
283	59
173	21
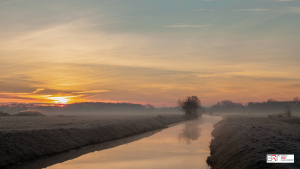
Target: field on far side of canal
244	142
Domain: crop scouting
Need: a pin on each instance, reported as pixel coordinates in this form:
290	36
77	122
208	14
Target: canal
183	145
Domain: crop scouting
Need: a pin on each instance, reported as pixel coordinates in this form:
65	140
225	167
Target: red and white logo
274	157
280	158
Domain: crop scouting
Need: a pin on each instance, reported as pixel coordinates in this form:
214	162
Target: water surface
184	145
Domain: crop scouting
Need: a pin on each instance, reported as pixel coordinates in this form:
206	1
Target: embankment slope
243	142
24	145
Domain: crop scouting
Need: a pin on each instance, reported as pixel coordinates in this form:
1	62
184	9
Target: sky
149	51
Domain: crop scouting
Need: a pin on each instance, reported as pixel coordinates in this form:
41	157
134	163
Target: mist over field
224	107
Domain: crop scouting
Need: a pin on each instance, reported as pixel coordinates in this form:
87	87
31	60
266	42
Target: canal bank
244	142
183	145
18	146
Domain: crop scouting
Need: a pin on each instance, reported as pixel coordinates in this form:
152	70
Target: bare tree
296	100
149	106
191	106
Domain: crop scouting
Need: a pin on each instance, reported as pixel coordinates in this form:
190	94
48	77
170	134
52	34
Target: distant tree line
227	105
76	107
270	106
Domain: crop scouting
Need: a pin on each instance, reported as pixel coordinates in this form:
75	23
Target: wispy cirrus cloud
186	26
292	10
6	96
287	0
33	96
254	10
199	10
283	10
92	91
282	0
38	90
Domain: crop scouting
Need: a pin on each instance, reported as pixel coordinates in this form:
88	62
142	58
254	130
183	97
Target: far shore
28	138
243	142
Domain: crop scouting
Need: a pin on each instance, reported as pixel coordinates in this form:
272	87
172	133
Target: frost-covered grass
243	142
27	138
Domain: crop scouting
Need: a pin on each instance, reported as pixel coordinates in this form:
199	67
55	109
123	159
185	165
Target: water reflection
49	161
160	150
191	131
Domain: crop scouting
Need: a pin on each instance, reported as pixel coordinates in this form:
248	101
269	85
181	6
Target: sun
61	100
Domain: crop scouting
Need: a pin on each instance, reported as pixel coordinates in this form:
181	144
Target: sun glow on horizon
60	99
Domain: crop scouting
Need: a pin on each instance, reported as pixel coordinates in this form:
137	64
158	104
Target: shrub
4	114
190	105
30	113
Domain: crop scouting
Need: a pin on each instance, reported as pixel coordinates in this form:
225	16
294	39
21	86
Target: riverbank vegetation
243	142
270	106
27	138
191	106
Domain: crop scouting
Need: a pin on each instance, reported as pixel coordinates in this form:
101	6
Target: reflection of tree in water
190	132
